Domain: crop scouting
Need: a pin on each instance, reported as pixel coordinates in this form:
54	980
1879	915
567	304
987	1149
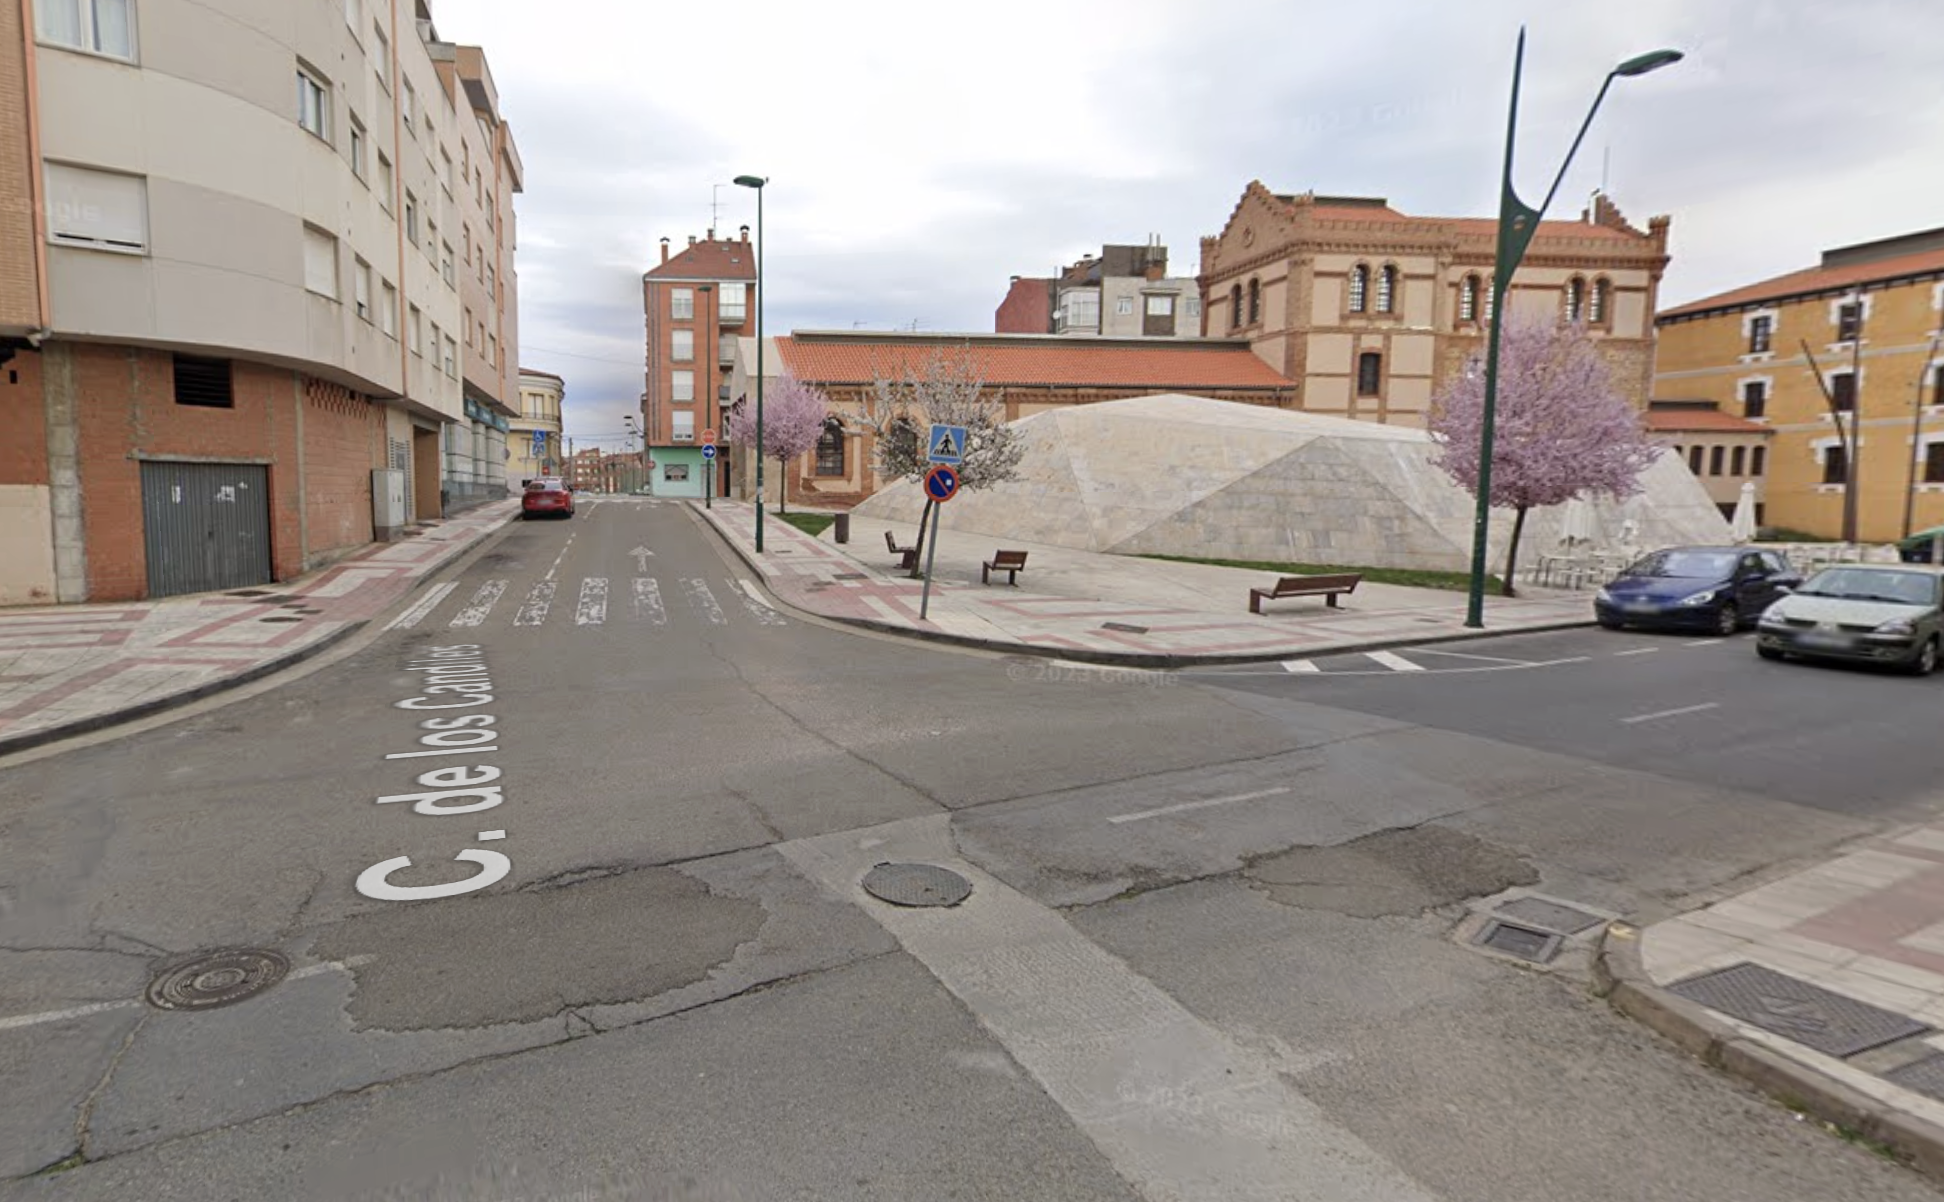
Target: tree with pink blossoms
1562	429
794	414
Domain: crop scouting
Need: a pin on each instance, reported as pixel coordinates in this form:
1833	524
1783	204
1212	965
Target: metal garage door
206	526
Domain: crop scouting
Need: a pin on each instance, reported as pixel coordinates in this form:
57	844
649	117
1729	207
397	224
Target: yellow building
1870	316
533	448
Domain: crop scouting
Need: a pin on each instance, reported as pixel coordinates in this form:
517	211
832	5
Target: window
313	104
1255	301
411	218
1083	310
432	241
1695	455
1359	288
381	56
492	350
681	304
1835	465
682	346
1468	299
1754	398
1575	299
385	185
683	425
320	262
99	26
1123	306
1602	300
388	308
830	449
414	334
1937	385
1842	391
492	285
204	382
1387	290
1192	307
98	210
1715	455
733	300
1934	463
1491	298
1235	307
445	171
357	147
1757	461
677	473
682	386
1849	322
1760	331
469	327
1370	373
445	265
438	338
353	13
1738	461
361	288
451	358
408	106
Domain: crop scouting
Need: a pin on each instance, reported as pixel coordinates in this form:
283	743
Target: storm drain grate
218	979
1926	1076
282	618
916	885
853	575
1124	628
1812	1016
249	592
1549	915
1527	943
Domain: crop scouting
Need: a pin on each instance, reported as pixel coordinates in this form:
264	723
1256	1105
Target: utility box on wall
387	503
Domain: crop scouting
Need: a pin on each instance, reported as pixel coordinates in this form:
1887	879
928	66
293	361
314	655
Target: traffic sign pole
931	557
941	485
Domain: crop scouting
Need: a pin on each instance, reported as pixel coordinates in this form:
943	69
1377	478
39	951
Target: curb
1620	978
10	744
1126	659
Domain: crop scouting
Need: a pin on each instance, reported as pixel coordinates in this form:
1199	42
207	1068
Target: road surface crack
86	1117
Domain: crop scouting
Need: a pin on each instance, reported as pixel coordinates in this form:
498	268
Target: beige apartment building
533	445
234	326
1371	310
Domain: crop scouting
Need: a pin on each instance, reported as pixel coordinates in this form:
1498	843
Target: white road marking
55	1016
1395	663
1705	643
1196	805
754	603
648	602
424	605
1487	659
592	609
641	556
1303	665
559	557
538	602
1686	709
703	601
481	604
1638	651
1300	665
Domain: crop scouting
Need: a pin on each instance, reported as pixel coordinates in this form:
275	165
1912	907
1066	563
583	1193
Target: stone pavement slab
69	669
1102	608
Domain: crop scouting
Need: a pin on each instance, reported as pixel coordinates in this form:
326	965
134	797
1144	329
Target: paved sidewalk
1852	1029
1102	608
69	669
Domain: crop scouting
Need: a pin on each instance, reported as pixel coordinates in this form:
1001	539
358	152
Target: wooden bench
1009	562
907	556
1327	587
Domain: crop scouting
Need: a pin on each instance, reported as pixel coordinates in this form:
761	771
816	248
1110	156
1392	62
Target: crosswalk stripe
703	601
592	609
648	602
424	605
481	604
1395	663
1300	665
754	603
538	602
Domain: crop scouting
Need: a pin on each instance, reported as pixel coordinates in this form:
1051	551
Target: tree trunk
918	560
782	485
1512	554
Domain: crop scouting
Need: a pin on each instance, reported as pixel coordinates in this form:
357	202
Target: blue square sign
946	445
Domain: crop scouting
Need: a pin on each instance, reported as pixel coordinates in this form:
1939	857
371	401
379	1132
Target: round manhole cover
916	885
218	979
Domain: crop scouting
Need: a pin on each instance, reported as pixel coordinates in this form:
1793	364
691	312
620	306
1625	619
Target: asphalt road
1214	947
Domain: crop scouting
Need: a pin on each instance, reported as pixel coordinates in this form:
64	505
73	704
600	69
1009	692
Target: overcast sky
919	155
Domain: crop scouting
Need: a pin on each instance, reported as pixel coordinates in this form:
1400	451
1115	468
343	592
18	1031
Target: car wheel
1925	661
1727	620
1768	653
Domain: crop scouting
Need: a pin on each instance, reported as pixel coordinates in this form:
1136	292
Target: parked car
1695	588
1864	613
546	495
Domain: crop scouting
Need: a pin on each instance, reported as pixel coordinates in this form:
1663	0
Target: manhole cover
916	885
1549	915
1527	943
1828	1022
1926	1076
218	979
1123	627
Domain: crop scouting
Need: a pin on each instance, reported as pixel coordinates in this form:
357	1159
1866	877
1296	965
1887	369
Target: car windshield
1873	584
1686	565
544	486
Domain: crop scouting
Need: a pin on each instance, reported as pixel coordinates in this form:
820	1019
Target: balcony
726	353
722	394
733	314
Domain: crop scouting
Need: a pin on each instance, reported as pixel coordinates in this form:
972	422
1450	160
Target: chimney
691	239
664	250
745	233
711	234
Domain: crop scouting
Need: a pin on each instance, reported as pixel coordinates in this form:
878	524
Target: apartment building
232	342
533	444
697	302
1871	319
1371	310
1124	293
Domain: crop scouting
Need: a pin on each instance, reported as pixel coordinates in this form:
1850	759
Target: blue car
1716	589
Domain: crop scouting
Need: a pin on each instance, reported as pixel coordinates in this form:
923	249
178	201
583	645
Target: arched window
1491	300
1468	298
1235	307
1602	299
1387	290
1575	299
1359	288
1255	302
830	448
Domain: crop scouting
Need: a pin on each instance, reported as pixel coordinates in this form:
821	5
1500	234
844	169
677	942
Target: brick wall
19	270
23	415
344	439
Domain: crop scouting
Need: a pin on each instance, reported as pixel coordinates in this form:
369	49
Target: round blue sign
941	483
708	452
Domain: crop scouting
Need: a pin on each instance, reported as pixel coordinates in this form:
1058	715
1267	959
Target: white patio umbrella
1742	526
1579	525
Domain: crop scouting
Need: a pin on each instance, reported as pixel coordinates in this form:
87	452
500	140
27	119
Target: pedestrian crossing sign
947	445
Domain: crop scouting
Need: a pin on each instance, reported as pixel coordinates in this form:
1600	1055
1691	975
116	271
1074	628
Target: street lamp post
1517	224
757	182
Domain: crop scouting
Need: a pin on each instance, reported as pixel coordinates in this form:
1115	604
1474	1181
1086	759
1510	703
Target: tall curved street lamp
1517	224
757	182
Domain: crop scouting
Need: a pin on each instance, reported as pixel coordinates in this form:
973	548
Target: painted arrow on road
641	557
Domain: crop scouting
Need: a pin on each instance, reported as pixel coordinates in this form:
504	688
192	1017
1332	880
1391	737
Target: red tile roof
1700	421
1075	362
1815	279
710	260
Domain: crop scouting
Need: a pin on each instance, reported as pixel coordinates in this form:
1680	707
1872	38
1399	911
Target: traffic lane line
1491	659
423	606
1205	803
1312	671
1638	651
1673	713
16	1021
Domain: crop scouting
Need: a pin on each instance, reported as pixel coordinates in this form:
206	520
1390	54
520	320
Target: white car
1864	613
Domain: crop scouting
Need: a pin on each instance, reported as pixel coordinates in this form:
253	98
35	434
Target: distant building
1873	316
1125	293
697	302
1370	310
533	445
1723	451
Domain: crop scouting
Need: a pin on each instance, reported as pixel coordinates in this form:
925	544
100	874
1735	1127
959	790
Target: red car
547	495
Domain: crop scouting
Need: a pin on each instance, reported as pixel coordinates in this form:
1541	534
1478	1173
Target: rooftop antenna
715	206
